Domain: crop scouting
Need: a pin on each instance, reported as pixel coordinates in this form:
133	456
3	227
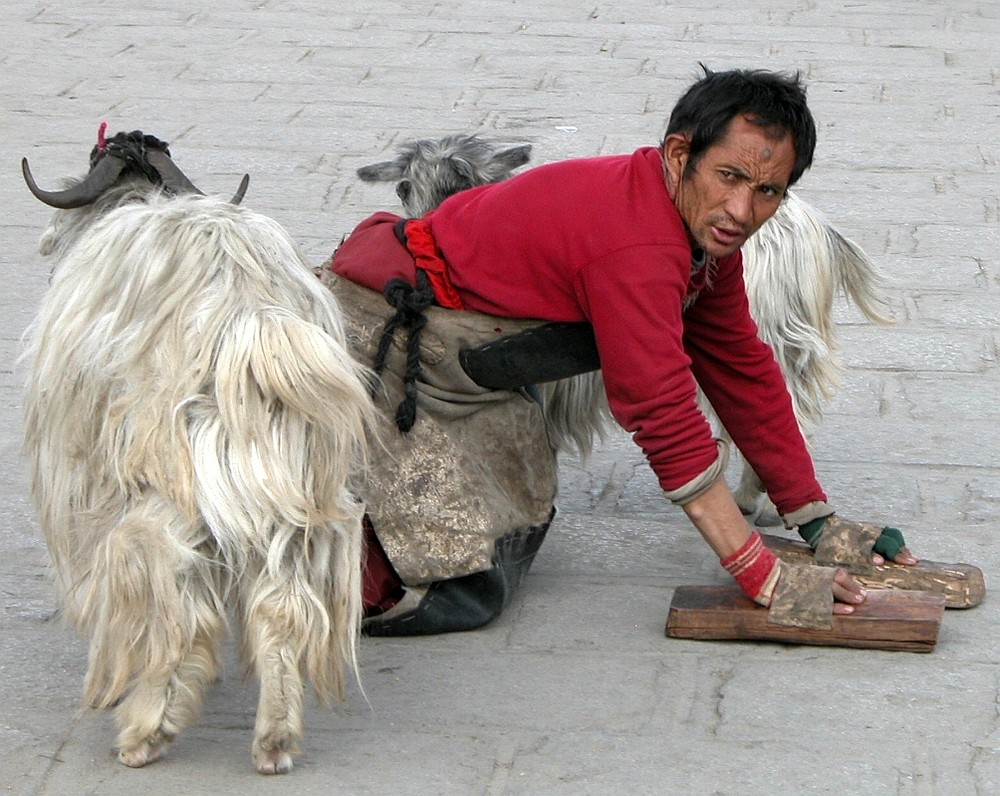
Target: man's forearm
742	553
718	519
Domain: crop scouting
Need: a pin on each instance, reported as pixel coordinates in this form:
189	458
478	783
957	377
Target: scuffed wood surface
961	584
889	620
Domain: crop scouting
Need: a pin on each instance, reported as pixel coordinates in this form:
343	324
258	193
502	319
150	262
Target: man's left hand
889	546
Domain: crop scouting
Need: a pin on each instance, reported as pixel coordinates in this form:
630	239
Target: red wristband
755	569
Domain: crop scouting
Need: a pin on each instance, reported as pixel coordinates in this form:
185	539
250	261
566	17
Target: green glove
812	530
888	544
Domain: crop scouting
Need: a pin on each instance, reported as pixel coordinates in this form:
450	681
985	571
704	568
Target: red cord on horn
102	143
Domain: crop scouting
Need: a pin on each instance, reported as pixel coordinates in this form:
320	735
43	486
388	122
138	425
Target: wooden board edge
847	631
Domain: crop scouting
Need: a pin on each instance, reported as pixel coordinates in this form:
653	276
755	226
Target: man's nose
739	205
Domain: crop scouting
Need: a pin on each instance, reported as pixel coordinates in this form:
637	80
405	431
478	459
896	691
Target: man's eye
728	176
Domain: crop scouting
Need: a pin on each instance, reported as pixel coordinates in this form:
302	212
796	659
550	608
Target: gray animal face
427	172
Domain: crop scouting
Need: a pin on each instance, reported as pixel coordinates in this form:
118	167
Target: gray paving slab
575	690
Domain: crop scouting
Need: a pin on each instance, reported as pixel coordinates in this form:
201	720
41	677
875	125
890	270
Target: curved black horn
100	178
173	178
241	191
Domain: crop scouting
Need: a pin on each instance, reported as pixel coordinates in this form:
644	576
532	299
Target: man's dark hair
776	100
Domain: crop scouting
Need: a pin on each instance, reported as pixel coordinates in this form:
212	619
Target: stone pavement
575	690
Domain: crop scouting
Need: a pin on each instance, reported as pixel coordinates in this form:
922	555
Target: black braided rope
411	304
132	148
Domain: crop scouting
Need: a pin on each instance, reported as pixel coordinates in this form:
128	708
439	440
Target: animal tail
294	411
576	412
859	278
295	390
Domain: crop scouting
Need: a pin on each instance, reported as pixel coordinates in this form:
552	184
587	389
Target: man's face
736	185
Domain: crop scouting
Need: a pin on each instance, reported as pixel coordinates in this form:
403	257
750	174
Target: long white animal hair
794	267
194	423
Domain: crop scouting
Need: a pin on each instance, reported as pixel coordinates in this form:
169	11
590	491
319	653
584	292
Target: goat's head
113	159
427	171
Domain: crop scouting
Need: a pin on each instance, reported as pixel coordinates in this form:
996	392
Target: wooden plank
961	584
888	620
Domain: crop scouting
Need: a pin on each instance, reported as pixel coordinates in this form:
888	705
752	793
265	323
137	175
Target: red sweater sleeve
633	299
741	378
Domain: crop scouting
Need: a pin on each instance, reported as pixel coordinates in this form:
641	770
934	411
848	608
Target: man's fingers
846	589
904	556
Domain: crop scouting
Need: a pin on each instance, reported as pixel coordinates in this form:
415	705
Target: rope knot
410	301
411	304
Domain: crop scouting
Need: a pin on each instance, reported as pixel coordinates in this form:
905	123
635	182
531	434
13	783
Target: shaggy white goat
794	266
193	424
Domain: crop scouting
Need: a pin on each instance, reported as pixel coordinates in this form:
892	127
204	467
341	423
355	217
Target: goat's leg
748	491
154	621
272	641
748	496
279	714
300	621
159	707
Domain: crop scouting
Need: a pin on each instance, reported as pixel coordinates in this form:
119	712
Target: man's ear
676	152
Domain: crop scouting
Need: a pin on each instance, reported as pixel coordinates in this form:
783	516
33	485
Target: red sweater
600	240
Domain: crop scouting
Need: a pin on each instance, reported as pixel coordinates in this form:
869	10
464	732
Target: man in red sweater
646	249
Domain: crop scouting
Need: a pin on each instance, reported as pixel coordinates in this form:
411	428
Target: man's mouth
728	236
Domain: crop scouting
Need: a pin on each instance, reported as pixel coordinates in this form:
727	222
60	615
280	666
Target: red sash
427	258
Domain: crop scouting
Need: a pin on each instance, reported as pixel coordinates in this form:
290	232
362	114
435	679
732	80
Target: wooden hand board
887	620
961	584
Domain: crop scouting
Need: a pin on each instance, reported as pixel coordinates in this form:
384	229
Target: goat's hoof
768	518
140	755
272	761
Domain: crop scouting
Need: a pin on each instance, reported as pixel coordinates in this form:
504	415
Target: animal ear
512	157
467	171
504	161
387	171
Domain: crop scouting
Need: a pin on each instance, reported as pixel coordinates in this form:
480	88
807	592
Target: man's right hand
847	593
718	518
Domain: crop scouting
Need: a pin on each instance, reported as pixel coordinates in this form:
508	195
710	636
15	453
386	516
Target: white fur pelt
194	422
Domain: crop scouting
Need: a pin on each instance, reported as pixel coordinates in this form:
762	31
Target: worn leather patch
847	544
476	467
803	597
